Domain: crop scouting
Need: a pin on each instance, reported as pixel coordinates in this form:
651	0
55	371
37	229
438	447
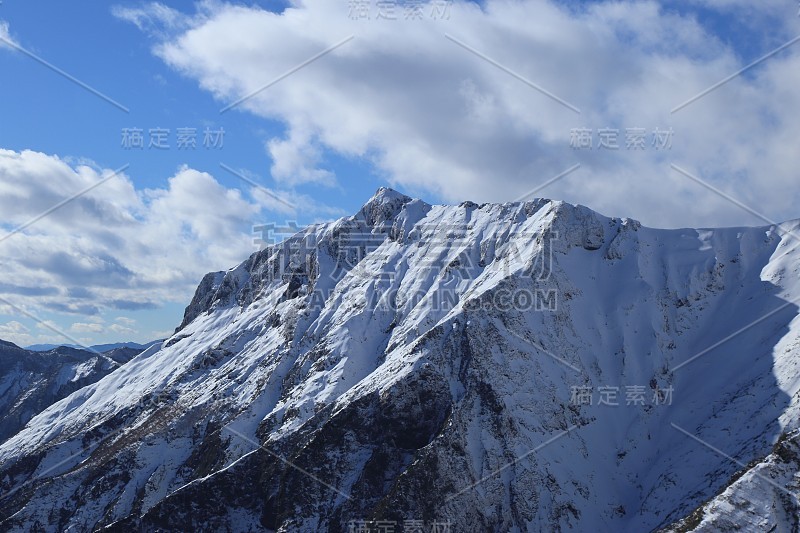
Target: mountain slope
32	381
418	362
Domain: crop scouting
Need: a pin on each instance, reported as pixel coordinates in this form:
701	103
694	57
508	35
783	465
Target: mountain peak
387	195
384	205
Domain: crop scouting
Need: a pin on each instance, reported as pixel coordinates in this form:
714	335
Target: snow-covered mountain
517	367
32	381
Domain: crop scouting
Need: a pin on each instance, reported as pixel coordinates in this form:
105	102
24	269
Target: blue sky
403	105
46	112
114	57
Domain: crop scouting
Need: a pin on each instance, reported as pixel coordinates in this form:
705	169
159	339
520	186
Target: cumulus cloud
116	247
119	329
15	332
435	118
81	327
13	327
125	321
296	160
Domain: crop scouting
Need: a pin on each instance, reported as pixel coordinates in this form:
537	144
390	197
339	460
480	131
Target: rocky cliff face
516	367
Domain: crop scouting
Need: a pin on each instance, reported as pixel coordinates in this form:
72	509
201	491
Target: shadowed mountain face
31	381
516	367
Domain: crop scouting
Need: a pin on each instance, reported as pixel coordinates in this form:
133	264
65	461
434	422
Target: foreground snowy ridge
516	367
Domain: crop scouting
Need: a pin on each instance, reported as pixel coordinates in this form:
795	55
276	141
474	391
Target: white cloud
125	321
21	335
5	34
295	160
82	327
122	330
116	247
47	325
13	327
15	332
152	18
436	119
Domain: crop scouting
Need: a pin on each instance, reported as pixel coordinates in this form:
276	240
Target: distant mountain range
31	382
102	348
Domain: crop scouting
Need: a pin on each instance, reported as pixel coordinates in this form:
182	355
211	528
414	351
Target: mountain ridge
32	381
102	348
420	362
